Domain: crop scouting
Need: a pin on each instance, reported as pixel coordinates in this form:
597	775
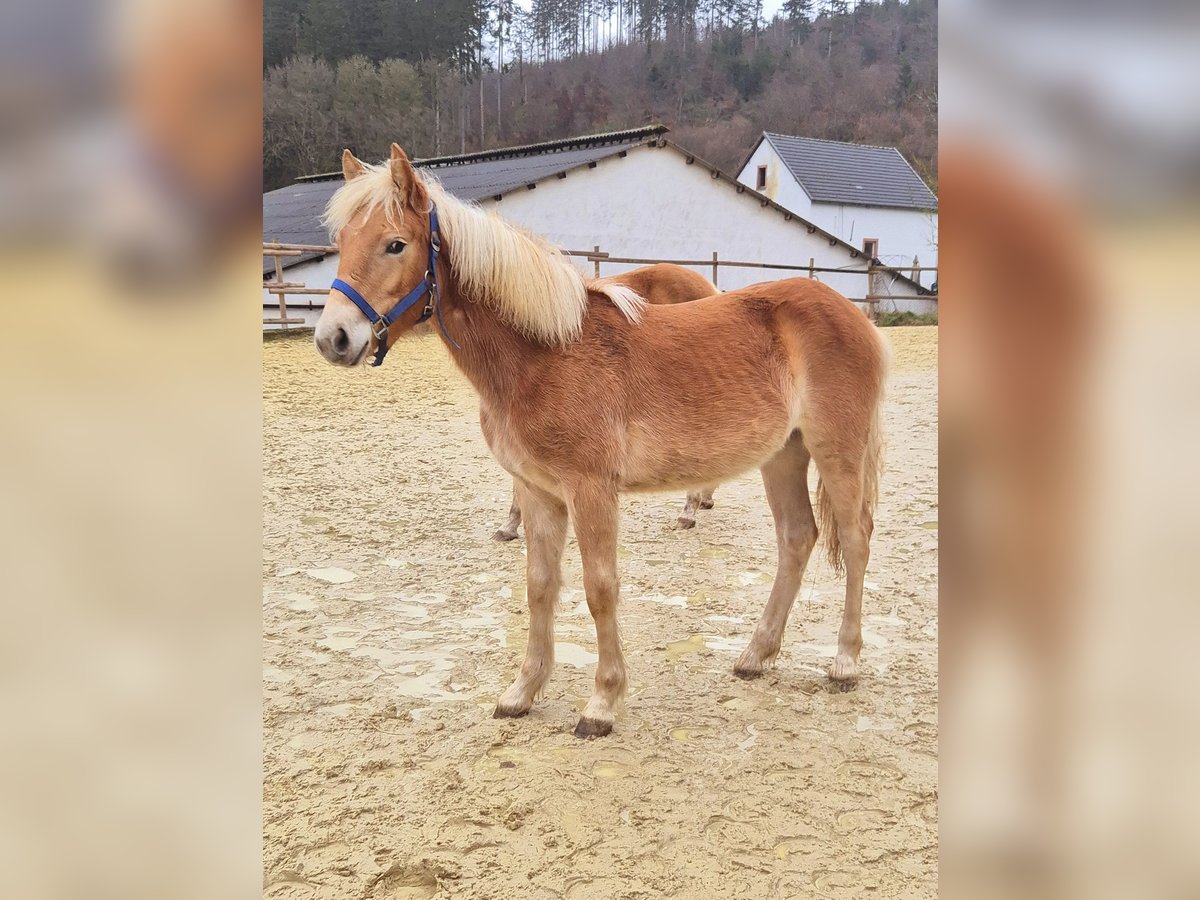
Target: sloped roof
291	215
859	174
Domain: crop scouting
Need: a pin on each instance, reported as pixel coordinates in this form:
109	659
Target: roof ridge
800	137
627	135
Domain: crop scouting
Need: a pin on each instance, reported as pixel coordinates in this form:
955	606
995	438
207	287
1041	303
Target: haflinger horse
585	393
660	283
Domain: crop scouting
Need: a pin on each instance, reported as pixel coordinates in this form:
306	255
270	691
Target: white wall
654	205
902	233
782	186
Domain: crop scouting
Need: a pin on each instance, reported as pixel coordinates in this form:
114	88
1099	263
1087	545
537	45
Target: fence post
282	296
812	262
870	291
596	259
714	268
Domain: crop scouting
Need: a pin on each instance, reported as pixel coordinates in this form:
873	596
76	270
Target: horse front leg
509	531
594	511
545	537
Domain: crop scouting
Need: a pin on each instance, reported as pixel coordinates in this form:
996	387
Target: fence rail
281	289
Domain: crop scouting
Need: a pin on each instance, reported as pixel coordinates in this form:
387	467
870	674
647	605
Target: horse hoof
686	523
706	504
843	672
505	712
503	535
592	728
747	674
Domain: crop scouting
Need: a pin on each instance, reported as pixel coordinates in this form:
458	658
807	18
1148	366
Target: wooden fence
871	297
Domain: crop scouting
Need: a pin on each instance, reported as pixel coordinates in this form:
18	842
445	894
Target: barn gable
855	174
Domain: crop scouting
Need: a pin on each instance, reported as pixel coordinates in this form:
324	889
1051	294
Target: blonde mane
529	282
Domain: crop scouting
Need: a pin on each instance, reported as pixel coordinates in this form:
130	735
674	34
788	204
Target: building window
760	180
871	248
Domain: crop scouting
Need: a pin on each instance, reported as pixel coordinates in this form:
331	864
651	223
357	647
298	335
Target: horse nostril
341	341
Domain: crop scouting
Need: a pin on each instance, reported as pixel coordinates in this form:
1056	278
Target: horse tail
872	469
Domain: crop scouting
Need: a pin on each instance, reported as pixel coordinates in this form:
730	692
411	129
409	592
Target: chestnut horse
660	283
585	393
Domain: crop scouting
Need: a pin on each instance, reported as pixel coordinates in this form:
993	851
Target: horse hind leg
700	499
846	497
687	518
509	531
785	477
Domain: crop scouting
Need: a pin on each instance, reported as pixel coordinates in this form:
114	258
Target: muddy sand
392	622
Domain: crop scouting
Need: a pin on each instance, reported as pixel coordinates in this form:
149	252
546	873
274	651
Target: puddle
745	579
727	644
332	575
609	769
300	601
930	526
413	612
713	553
314	520
693	644
573	655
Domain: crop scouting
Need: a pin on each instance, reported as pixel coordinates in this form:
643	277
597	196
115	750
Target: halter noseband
428	285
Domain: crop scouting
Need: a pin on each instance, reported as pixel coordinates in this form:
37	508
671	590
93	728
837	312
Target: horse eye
395	247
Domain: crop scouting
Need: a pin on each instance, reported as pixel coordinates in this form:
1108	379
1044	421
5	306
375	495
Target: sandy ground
392	622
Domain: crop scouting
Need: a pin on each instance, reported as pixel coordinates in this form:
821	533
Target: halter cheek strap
427	286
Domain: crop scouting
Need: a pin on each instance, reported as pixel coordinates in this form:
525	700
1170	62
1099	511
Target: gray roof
834	172
291	215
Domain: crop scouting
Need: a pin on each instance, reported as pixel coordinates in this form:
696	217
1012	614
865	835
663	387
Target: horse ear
406	179
351	167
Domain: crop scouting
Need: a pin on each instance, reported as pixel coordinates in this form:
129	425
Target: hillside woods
457	76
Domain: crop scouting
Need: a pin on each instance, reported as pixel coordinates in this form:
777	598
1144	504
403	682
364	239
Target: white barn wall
652	204
902	233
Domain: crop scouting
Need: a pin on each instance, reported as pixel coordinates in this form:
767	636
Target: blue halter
428	285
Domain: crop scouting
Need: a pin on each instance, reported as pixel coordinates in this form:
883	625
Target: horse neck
490	353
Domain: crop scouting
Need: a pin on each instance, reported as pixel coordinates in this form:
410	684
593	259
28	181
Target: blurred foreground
129	454
1070	149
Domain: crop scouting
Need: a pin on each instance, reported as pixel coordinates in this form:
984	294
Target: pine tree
799	18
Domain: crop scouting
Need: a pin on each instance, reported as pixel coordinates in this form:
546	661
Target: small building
633	194
869	197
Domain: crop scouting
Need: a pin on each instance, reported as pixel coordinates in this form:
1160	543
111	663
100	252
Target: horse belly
698	450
